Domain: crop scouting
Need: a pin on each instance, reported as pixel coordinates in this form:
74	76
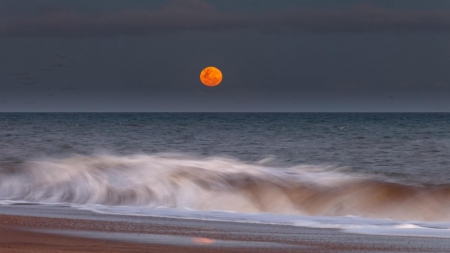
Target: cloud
198	15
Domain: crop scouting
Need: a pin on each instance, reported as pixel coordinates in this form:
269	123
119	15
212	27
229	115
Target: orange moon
211	76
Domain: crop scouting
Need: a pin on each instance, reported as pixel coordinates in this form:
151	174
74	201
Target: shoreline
81	231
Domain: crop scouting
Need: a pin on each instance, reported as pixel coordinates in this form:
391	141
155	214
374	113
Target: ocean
381	173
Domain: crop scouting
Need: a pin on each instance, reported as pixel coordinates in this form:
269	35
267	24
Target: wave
219	183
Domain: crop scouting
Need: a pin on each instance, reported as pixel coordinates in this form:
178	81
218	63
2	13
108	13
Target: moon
211	76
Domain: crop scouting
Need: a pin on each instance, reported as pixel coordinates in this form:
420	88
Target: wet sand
60	229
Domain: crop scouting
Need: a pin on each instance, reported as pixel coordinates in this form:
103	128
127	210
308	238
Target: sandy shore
53	229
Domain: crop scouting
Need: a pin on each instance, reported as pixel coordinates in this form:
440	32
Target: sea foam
219	183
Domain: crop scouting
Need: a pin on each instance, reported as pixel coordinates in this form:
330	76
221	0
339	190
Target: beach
32	228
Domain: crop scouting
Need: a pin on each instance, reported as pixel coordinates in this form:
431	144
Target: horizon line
255	112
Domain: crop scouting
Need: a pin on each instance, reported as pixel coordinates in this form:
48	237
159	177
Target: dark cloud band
197	15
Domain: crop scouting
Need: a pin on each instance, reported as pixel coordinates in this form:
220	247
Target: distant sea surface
370	165
406	147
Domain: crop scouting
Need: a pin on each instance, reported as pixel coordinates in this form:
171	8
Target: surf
180	181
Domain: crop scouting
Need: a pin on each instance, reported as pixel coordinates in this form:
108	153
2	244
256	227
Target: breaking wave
218	183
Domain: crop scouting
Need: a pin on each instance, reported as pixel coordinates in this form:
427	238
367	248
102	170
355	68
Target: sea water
361	172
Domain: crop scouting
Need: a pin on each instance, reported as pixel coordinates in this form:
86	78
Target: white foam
139	184
348	224
156	180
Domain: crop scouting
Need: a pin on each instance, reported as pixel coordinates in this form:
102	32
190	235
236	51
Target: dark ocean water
383	166
409	147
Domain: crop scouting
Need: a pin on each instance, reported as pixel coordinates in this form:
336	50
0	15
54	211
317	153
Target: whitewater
228	189
381	173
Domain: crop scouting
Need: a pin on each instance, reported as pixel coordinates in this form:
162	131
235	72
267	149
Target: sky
275	55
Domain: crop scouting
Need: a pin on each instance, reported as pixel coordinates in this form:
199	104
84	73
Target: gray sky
285	55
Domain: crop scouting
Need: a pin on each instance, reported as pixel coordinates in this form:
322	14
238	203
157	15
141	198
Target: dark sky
276	55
